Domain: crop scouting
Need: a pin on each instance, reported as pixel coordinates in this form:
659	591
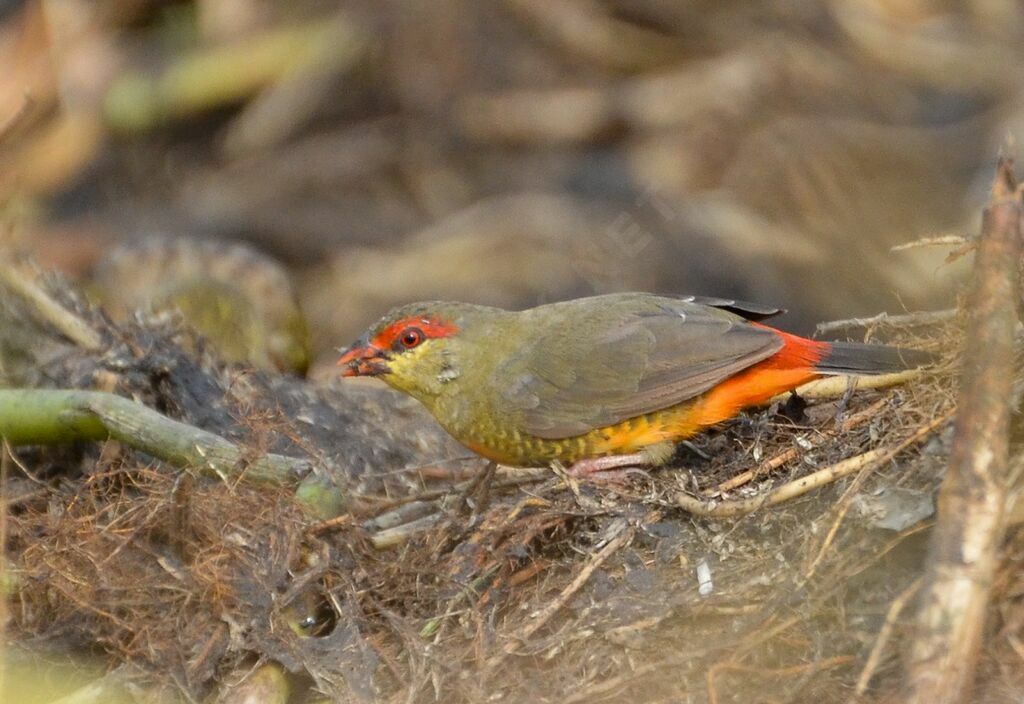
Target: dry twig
799	487
69	324
875	657
611	684
907	320
940	240
623	537
836	386
393	537
791	453
844	503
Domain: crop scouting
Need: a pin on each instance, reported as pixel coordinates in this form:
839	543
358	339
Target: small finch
600	382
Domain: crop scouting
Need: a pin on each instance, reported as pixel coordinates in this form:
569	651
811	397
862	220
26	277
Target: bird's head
416	348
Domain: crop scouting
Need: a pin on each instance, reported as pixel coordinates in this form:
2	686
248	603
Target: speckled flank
631	435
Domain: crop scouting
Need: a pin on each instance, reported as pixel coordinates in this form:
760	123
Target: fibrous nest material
542	588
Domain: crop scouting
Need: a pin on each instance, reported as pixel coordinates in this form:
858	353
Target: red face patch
410	332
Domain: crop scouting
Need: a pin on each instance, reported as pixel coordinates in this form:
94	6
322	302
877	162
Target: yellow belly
632	435
751	387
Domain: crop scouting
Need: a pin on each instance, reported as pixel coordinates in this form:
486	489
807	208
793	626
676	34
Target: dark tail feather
857	358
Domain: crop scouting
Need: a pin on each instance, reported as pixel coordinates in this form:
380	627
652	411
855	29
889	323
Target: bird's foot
613	467
477	492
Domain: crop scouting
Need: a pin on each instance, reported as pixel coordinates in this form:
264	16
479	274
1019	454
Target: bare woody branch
963	550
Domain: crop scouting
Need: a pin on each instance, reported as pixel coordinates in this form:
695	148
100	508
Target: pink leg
611	467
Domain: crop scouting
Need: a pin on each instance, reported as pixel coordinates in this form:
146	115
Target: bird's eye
411	337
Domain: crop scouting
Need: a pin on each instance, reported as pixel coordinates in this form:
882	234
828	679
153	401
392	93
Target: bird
600	382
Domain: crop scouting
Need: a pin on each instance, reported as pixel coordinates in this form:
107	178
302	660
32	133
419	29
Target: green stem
49	417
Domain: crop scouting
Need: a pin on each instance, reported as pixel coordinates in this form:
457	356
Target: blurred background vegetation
502	151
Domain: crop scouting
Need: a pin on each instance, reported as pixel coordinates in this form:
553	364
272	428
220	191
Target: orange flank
793	365
790	367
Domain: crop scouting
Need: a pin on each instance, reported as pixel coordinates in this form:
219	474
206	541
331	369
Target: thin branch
841	508
799	487
765	467
940	240
933	317
600	690
875	656
836	386
49	310
791	453
393	537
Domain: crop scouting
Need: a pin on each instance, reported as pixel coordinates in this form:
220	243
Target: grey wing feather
641	362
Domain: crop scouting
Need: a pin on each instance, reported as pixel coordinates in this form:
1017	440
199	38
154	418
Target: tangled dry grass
544	589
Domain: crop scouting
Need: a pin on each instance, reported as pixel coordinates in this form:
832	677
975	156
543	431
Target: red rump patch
432	328
791	366
797	352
